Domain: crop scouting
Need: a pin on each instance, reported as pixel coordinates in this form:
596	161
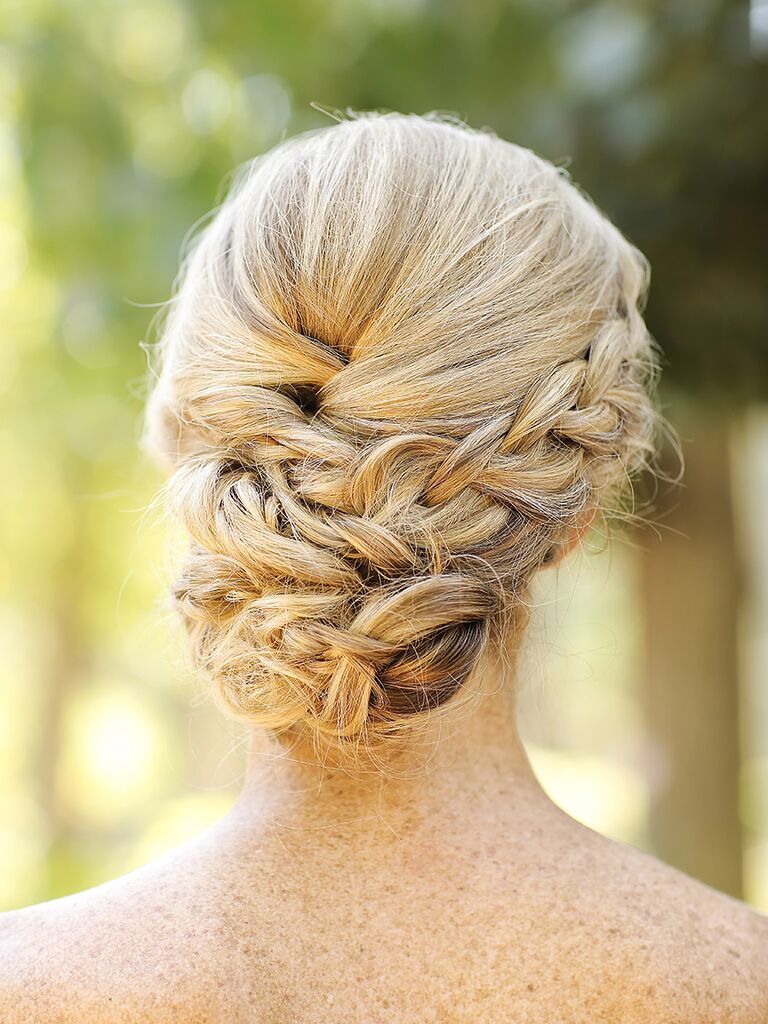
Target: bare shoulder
684	951
61	963
133	950
47	968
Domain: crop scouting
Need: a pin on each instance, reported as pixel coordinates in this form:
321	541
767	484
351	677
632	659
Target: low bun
405	361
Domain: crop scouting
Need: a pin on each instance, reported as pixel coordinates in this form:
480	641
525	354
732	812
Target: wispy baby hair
405	361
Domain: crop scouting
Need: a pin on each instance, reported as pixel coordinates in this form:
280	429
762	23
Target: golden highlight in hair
404	362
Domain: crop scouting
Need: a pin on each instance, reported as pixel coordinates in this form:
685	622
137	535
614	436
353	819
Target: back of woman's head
406	361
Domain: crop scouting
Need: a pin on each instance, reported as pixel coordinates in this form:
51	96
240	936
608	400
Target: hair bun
346	667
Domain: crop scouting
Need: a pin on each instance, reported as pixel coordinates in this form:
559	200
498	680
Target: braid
352	558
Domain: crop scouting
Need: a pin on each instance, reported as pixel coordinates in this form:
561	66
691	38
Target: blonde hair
404	362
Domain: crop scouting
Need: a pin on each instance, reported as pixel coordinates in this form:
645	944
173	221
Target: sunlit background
643	703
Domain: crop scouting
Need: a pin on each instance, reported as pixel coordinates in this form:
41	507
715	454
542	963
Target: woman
405	367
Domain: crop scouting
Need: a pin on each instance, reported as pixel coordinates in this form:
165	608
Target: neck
467	764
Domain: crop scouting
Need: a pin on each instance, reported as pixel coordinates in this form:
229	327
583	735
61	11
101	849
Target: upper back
252	929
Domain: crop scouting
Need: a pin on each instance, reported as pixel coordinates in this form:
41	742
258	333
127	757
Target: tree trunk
691	582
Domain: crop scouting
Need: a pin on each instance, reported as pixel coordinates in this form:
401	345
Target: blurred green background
643	703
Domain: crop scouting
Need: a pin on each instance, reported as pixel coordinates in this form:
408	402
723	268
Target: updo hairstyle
405	362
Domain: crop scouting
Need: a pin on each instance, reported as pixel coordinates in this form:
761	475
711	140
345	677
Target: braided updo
405	361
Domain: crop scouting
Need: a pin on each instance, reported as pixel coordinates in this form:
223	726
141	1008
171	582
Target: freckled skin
463	895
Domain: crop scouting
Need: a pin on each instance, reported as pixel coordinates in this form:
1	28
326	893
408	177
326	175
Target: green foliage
130	116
